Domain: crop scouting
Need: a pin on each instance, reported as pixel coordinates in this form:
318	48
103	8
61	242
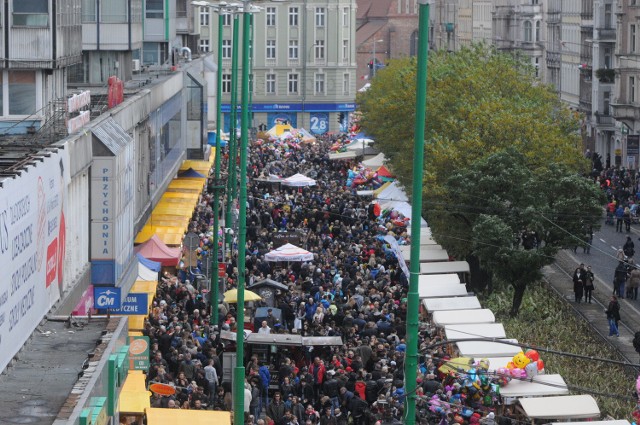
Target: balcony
604	120
606	34
553	17
553	59
625	111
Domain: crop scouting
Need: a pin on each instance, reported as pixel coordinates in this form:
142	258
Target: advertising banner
139	352
274	118
32	248
135	304
319	122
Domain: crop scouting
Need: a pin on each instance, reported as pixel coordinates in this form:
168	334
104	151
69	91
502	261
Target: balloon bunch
362	175
525	364
636	411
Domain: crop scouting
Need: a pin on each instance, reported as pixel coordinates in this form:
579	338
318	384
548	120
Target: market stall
157	416
471	331
562	408
480	349
439	290
438	279
451	303
538	386
456	317
427	255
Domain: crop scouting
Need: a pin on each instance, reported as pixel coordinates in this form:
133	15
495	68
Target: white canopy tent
392	192
541	385
438	279
288	252
561	407
470	331
496	363
480	349
442	290
451	303
145	273
426	255
445	267
298	180
459	317
375	162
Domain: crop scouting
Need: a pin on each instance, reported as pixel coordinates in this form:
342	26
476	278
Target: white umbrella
298	180
288	252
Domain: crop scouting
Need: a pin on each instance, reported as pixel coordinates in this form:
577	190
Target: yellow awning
135	333
134	397
184	185
135	381
141	286
202	167
171	236
179	201
181	195
173	209
136	323
156	416
163	220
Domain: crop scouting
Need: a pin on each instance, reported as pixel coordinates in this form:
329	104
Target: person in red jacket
317	370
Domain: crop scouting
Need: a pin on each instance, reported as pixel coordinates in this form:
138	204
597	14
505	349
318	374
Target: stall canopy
496	363
288	252
560	407
444	267
154	249
470	331
451	303
134	397
442	290
457	317
186	185
438	279
538	386
158	416
426	255
190	172
298	180
375	162
168	235
145	273
150	264
479	349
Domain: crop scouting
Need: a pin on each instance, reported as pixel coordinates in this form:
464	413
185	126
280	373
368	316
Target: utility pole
233	151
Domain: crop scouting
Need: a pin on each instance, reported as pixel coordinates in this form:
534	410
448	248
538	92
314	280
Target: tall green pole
411	360
215	287
231	176
238	391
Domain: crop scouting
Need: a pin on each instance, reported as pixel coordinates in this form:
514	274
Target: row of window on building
271	13
293	84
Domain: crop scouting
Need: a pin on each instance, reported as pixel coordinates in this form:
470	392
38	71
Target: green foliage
546	321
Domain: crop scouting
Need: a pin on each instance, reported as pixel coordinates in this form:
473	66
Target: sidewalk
559	276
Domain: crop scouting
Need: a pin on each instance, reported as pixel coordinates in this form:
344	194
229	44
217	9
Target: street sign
106	297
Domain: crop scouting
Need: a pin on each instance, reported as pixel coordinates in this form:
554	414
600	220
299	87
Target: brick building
386	29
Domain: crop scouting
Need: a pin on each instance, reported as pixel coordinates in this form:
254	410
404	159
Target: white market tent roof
424	233
445	267
393	192
541	385
458	317
451	303
334	156
145	273
438	279
496	363
426	255
561	407
479	349
470	331
298	180
442	290
375	162
288	252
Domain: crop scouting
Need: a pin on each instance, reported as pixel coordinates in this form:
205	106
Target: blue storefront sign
297	107
107	297
319	122
134	304
274	118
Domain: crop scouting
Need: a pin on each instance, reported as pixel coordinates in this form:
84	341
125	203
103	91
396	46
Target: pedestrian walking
588	285
627	219
634	283
588	239
613	316
619	218
579	277
619	279
629	248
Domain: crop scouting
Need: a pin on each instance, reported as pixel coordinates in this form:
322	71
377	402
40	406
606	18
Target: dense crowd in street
353	289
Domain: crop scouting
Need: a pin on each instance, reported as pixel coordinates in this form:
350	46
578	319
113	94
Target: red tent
154	249
384	172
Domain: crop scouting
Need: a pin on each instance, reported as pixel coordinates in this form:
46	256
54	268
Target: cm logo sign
107	297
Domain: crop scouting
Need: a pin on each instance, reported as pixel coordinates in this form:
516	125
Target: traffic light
341	117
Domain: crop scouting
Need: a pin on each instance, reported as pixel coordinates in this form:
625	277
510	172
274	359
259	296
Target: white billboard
32	248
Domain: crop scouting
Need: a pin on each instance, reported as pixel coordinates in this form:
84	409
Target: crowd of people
353	289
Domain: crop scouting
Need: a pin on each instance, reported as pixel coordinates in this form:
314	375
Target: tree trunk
518	294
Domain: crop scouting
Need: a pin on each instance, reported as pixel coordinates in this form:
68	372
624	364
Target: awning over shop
375	162
202	167
427	255
445	267
158	416
154	249
182	195
191	173
134	397
169	236
561	407
149	264
146	274
186	185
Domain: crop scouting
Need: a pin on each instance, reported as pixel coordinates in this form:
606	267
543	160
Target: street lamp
374	55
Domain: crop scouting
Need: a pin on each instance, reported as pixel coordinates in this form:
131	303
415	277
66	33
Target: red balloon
532	355
540	365
376	210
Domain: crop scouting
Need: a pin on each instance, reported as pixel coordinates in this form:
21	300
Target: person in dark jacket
620	279
579	278
276	408
613	316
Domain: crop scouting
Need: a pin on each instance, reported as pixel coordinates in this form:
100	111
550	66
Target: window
271	84
293	49
320	84
607	16
31	13
536	66
346	84
293	16
606	96
345	50
204	45
632	38
271	49
154	9
632	89
320	12
226	83
345	17
204	16
22	92
226	20
527	31
607	57
271	16
293	83
538	30
88	11
226	49
319	48
113	12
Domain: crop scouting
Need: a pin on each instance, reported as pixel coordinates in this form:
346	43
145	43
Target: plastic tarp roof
146	274
375	162
451	303
182	195
190	172
168	235
475	330
298	180
456	317
496	363
561	407
183	185
391	192
438	279
541	385
288	252
155	250
479	349
445	267
426	255
440	290
159	416
150	264
202	167
134	397
334	156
